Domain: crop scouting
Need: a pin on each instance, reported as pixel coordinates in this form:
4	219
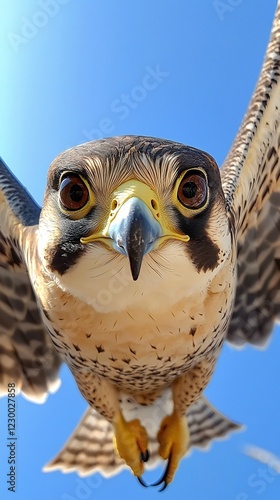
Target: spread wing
27	356
251	183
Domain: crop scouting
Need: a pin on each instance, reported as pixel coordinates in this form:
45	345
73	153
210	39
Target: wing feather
27	356
251	183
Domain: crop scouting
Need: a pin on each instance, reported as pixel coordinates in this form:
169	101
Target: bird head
133	212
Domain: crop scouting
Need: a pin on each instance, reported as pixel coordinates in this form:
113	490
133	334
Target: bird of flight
196	251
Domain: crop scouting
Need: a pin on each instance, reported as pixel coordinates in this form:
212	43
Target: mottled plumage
143	260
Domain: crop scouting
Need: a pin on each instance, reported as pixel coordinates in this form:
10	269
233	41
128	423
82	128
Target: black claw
144	456
142	482
163	488
162	480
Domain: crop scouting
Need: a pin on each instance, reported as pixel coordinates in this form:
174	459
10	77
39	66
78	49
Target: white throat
103	279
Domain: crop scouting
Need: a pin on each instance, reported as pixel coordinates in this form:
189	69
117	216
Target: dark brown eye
73	192
192	191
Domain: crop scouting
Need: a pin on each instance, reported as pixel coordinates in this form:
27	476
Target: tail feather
206	424
90	448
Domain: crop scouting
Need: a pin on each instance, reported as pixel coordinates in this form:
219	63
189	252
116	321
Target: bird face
133	218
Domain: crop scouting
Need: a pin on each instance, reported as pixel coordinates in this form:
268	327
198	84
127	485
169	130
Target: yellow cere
138	189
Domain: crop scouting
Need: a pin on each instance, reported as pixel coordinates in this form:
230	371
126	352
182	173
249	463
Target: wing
251	183
91	449
27	356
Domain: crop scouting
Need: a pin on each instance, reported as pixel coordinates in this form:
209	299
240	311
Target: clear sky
75	71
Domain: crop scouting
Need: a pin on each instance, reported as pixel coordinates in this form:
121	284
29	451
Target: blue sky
74	71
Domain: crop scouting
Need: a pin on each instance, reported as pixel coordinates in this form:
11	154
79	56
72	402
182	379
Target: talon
173	438
142	482
163	477
144	456
131	443
163	488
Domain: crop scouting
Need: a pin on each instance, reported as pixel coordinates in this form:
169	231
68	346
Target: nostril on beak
154	205
114	206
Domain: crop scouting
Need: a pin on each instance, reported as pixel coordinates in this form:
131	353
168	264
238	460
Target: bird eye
73	192
192	191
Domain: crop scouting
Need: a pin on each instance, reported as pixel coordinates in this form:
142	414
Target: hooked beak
136	224
134	232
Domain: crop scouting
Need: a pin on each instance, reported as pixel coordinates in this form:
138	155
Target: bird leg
131	442
173	435
173	438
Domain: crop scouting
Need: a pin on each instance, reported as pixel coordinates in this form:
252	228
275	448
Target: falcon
143	260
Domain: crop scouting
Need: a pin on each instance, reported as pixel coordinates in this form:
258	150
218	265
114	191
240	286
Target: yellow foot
173	438
131	441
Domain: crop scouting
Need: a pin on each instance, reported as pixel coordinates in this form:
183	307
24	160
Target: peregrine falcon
143	260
